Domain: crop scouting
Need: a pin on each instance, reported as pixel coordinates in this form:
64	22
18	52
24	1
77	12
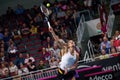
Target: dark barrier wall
13	3
107	64
107	69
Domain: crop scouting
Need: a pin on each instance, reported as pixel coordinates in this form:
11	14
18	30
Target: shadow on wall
27	4
4	4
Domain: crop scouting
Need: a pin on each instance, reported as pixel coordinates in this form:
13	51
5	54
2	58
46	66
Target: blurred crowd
21	22
109	47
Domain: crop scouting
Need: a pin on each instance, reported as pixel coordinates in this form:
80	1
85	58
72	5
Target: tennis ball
48	4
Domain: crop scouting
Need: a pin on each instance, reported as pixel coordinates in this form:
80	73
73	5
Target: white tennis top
67	60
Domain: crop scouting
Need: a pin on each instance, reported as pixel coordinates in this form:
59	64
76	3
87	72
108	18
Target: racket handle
48	24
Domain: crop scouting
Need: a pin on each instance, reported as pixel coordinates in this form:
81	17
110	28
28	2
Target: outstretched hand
66	71
50	29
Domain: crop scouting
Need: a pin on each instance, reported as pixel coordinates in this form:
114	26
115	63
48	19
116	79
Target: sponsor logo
115	67
98	26
102	77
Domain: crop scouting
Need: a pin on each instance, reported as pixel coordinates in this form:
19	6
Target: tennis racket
46	12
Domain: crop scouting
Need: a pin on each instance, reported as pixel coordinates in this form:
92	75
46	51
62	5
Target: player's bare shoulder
77	55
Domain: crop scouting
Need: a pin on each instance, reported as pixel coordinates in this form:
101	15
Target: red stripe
98	73
90	68
47	78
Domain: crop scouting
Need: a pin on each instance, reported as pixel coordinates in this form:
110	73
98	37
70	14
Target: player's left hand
66	71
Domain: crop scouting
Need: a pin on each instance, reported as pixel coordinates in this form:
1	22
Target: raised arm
59	41
53	34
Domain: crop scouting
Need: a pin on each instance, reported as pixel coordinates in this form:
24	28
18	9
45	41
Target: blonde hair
63	51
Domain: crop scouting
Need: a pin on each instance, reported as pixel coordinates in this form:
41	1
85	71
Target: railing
77	16
39	74
44	74
80	29
48	73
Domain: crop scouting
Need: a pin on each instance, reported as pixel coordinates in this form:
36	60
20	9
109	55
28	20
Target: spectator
4	70
67	26
5	40
2	48
19	9
117	45
57	26
56	51
39	20
31	66
12	50
104	55
33	29
10	42
72	4
117	35
23	69
69	12
25	30
35	10
56	8
7	31
7	37
112	41
2	56
116	41
113	50
16	33
13	69
106	49
2	42
53	62
64	7
20	59
63	33
28	57
61	13
48	43
10	11
41	65
27	16
105	44
45	54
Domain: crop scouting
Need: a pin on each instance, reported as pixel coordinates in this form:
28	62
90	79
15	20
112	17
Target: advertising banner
110	69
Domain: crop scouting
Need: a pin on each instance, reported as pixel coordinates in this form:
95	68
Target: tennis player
69	59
